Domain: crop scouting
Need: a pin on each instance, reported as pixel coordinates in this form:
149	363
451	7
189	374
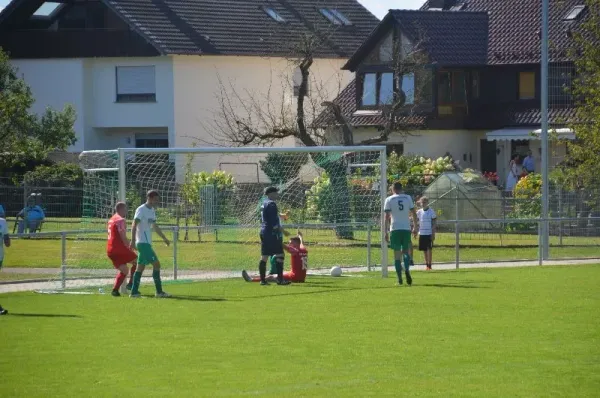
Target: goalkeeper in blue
399	209
271	237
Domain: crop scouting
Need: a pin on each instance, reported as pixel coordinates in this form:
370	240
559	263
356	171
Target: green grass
495	333
325	250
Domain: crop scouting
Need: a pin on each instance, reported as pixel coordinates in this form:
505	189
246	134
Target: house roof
235	27
448	38
515	27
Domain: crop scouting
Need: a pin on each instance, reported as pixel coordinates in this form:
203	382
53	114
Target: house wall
90	86
128	118
55	83
199	83
435	143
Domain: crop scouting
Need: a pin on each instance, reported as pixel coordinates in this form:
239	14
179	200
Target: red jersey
299	260
116	224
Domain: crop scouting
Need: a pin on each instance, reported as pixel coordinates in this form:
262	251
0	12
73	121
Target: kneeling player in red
117	248
299	256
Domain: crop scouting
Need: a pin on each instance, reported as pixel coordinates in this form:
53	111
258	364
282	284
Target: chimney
441	4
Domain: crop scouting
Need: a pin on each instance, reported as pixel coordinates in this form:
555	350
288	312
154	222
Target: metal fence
77	258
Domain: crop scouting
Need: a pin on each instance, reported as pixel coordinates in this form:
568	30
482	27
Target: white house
151	73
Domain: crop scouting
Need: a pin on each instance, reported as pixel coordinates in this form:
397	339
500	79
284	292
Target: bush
412	170
528	204
319	199
282	167
223	183
60	174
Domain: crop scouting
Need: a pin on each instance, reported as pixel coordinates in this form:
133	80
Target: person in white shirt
398	209
144	222
4	240
427	218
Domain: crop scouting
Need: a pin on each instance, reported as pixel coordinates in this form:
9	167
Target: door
488	156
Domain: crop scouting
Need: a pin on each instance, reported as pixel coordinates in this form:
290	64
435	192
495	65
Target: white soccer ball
336	271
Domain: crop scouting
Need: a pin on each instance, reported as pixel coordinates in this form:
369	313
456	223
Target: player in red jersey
299	256
117	248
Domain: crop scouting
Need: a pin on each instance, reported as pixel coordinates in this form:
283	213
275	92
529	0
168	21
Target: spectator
529	163
513	173
2	212
31	216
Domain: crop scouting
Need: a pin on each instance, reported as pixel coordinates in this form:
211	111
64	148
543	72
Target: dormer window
47	9
335	17
378	89
574	13
274	14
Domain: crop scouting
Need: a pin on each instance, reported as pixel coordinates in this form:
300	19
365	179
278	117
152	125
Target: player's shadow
324	291
198	298
450	285
44	315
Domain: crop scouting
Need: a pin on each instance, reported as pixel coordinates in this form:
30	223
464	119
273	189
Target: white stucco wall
435	143
90	86
198	85
55	83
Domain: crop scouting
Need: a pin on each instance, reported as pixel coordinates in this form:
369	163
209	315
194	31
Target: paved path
105	276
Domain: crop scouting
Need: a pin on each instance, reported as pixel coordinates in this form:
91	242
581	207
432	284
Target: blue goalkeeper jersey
269	217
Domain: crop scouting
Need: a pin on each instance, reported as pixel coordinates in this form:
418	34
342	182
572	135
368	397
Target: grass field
324	249
520	332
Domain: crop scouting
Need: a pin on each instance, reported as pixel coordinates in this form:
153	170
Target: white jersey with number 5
399	205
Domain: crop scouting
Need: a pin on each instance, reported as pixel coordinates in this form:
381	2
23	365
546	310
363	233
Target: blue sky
377	7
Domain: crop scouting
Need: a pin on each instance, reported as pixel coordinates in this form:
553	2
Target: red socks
119	281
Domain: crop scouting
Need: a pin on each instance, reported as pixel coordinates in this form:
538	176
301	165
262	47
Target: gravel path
105	276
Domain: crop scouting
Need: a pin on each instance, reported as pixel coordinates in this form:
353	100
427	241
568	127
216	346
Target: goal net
210	207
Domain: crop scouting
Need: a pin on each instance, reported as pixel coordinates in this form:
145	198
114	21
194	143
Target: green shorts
400	240
146	254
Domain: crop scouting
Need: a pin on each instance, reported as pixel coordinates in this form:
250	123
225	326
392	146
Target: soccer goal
210	201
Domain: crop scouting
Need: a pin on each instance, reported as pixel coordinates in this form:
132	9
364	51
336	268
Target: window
574	13
560	84
340	16
526	85
274	14
136	84
334	16
398	148
151	141
46	9
451	87
369	96
475	84
408	86
297	80
386	90
378	88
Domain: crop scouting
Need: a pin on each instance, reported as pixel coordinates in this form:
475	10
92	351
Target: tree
584	153
252	119
24	135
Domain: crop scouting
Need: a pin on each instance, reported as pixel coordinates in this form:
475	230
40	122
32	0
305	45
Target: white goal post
313	180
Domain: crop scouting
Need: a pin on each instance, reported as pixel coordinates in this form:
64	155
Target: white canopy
512	134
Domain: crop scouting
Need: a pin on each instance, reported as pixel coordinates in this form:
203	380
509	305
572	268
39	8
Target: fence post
63	266
456	231
369	246
560	223
540	244
175	241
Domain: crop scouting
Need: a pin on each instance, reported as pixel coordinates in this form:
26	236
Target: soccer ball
336	271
